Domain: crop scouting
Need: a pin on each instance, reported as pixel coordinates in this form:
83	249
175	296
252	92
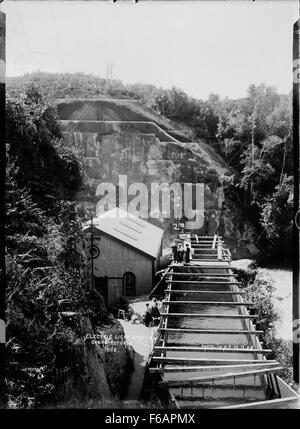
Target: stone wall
145	153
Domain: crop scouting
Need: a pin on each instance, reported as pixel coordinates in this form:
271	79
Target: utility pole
296	256
109	75
91	251
253	126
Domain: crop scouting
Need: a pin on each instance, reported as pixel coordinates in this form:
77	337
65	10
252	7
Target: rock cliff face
122	138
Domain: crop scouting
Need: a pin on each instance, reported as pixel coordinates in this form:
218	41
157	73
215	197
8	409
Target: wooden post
92	256
214	241
296	261
219	251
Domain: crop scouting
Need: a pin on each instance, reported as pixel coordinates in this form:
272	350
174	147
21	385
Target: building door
101	286
129	284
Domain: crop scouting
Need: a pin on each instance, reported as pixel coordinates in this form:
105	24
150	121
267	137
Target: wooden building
127	252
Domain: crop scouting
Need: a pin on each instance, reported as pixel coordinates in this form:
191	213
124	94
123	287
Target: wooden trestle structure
207	352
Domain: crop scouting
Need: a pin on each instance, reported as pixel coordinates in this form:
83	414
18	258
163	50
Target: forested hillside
48	311
48	307
253	136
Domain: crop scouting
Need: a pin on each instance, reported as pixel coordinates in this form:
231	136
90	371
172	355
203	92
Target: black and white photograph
150	213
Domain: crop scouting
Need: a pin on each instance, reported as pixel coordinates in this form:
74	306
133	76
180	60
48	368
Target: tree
50	170
38	276
254	136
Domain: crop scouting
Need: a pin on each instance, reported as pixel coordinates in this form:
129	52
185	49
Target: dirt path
139	337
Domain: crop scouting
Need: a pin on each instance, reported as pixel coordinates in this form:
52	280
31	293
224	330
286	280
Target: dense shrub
260	291
44	260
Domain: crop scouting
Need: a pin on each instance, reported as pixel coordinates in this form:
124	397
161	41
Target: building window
129	284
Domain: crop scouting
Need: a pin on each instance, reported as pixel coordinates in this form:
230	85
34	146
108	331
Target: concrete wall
118	110
114	260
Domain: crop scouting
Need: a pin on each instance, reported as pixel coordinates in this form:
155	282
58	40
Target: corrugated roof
129	229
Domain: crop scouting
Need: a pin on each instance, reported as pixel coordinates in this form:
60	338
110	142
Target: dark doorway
101	286
129	284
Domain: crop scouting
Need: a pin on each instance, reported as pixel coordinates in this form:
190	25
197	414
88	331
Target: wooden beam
208	267
174	401
208	367
199	380
225	316
204	239
194	267
248	304
159	283
210	361
203	282
205	256
202	253
210	349
204	244
214	241
211	331
205	236
218	292
219	251
206	260
191	274
272	403
207	240
225	275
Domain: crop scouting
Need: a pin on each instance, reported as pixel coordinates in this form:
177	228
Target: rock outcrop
120	137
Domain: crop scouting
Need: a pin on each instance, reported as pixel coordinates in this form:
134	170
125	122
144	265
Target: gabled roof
129	229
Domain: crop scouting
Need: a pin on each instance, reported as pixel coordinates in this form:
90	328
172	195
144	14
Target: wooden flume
175	353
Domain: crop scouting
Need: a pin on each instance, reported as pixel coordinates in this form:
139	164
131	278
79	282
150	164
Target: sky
198	46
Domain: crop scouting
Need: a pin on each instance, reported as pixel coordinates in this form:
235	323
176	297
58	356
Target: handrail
163	321
219	251
229	255
173	400
159	283
272	403
221	376
214	241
